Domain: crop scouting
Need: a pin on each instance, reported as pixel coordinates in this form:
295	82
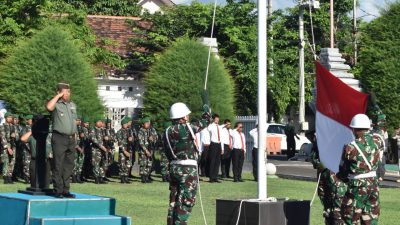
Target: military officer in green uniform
359	164
63	113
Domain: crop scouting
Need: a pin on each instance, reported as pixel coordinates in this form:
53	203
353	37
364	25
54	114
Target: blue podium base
25	209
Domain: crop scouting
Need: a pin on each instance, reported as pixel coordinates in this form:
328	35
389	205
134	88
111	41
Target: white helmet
178	110
360	121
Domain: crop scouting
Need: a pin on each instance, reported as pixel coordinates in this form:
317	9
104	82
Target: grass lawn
147	204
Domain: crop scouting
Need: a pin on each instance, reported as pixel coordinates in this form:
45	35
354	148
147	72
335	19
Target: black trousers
214	159
254	162
237	163
204	169
63	161
226	161
291	148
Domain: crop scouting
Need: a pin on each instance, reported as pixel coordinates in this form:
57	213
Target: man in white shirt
254	134
205	143
227	148
238	152
215	149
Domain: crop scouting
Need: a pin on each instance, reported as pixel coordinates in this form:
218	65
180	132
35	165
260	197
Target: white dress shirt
239	140
254	134
226	138
215	132
197	141
205	137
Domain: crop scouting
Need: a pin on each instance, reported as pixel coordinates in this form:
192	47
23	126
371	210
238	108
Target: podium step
71	220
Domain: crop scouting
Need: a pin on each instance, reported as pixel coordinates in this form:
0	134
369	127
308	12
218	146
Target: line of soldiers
95	149
351	196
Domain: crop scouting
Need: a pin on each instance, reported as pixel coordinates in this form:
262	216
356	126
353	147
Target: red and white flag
337	103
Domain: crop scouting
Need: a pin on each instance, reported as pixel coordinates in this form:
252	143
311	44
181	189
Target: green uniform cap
99	118
29	117
85	119
381	117
7	114
145	120
125	120
108	120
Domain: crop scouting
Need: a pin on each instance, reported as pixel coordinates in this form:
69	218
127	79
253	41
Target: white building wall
151	6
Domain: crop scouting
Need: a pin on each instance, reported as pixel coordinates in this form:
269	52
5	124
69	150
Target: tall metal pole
271	46
301	66
332	30
355	30
262	98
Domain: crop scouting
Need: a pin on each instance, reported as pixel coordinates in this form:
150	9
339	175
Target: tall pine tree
178	76
30	75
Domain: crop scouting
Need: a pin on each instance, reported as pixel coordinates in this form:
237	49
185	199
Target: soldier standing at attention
98	149
124	139
147	140
26	149
109	140
85	144
79	155
63	113
183	157
9	137
360	162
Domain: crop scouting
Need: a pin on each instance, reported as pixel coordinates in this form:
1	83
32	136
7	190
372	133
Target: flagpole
262	98
331	16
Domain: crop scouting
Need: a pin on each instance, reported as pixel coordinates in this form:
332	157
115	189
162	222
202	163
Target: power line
367	13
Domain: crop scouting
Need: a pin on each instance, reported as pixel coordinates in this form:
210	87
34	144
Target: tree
29	76
105	7
378	68
178	75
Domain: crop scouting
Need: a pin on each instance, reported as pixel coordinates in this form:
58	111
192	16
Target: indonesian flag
337	103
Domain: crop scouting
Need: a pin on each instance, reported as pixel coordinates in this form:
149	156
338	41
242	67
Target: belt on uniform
65	135
186	162
363	175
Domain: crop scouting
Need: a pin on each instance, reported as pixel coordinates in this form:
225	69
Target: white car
276	130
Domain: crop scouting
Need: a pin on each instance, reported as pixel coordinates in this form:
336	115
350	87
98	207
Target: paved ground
301	170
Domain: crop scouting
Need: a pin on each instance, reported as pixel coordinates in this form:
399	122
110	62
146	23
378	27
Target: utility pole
355	30
302	5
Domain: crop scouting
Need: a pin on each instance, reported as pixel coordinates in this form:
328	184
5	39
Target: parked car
276	133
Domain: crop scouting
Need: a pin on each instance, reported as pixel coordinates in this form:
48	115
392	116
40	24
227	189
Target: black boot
164	179
96	180
123	180
78	179
127	180
143	179
74	179
5	180
148	179
10	180
102	180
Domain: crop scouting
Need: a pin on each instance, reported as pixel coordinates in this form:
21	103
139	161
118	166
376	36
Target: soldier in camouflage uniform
19	124
26	149
359	163
96	137
331	190
380	131
164	159
9	136
183	155
147	140
134	127
124	161
79	154
109	140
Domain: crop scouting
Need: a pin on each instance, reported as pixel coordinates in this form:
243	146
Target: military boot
5	180
127	180
143	179
123	180
148	179
74	179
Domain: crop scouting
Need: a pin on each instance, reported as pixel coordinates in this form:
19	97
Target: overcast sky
368	8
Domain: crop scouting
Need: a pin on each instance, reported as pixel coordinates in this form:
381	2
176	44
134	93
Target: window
130	88
119	88
107	88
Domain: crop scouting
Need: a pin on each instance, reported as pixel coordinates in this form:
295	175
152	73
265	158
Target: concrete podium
289	212
25	209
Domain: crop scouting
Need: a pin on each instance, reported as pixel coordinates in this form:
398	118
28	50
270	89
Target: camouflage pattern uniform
147	140
184	178
109	132
331	190
164	159
361	203
79	156
123	160
8	142
98	161
26	155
